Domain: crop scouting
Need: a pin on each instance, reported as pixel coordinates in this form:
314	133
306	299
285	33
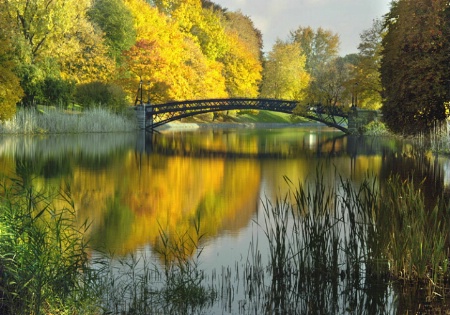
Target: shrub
375	128
104	94
57	91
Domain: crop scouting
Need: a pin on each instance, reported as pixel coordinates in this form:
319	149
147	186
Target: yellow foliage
243	71
10	90
170	61
92	62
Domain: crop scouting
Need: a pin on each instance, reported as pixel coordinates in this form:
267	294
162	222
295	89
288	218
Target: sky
276	18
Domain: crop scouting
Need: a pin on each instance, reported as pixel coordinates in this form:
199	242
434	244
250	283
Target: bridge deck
160	114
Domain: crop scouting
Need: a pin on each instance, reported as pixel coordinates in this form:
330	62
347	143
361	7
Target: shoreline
180	126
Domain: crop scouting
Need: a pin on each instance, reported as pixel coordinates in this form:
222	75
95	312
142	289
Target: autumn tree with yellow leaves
180	49
10	90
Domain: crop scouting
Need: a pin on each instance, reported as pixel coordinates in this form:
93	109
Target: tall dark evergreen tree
415	70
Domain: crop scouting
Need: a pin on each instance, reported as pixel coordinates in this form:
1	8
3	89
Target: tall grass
43	254
137	286
32	121
332	248
342	238
335	249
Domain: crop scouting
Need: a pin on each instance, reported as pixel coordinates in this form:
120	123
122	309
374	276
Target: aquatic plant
43	253
137	286
32	121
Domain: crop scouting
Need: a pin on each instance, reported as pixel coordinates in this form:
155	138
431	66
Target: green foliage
43	253
375	128
42	89
31	81
58	92
331	84
319	46
116	21
101	94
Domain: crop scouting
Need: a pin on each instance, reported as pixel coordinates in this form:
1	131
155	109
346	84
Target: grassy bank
34	121
246	116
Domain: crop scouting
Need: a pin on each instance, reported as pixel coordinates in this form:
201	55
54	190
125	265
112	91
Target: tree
319	47
331	86
414	67
366	73
54	40
92	62
248	34
44	27
242	70
284	74
116	21
10	90
169	60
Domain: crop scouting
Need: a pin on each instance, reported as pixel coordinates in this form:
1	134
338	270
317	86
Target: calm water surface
132	186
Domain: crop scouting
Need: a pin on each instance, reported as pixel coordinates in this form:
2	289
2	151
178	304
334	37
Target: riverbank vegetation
198	49
326	238
55	121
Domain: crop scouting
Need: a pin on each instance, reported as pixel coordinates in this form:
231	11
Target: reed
54	121
135	285
327	243
336	238
43	254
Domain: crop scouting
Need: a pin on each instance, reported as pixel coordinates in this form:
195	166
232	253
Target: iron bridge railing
160	114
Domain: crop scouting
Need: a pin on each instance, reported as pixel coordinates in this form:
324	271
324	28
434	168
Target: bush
104	94
375	128
57	91
41	88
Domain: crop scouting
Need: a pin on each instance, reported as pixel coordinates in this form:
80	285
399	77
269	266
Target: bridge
152	116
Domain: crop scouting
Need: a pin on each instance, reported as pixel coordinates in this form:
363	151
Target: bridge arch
153	116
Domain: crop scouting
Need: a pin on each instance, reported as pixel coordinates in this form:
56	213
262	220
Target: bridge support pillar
144	116
140	116
148	117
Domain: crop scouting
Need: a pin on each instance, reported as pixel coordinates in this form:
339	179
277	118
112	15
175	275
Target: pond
208	192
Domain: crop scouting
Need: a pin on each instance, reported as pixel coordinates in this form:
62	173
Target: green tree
284	74
44	28
116	21
320	47
366	73
331	85
414	67
100	93
53	39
